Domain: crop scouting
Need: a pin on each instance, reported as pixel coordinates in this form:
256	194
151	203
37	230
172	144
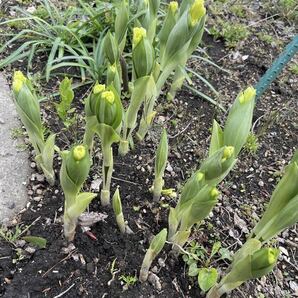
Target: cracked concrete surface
14	163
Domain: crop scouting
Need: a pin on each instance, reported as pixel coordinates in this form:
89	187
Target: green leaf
215	248
161	155
225	254
193	270
216	138
81	203
66	97
207	278
40	242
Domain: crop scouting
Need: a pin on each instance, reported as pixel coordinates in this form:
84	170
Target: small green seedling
64	107
200	263
129	280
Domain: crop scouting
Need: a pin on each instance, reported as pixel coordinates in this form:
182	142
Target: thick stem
69	227
157	188
88	138
121	223
123	147
107	170
176	84
146	266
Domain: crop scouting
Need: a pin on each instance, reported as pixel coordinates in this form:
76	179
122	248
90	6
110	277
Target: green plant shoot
160	165
251	260
73	173
154	249
103	117
282	210
117	207
27	106
199	195
66	98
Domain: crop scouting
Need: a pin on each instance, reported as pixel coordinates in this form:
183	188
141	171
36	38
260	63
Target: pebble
261	183
30	250
39	191
37	199
39	177
33	165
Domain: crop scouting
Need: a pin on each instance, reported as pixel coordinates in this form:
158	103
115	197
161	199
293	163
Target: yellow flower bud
108	96
228	152
248	95
98	88
200	176
214	192
79	152
197	10
138	34
18	80
173	6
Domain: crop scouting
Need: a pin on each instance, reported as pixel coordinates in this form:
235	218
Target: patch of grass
41	12
238	10
252	144
231	32
265	37
289	9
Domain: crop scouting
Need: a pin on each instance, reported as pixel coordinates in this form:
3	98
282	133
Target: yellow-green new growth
108	96
117	207
79	152
173	6
248	95
228	152
18	80
98	88
138	34
155	248
197	11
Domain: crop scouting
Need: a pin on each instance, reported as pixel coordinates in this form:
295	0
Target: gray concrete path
14	163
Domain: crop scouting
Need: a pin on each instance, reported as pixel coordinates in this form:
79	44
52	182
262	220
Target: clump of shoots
154	249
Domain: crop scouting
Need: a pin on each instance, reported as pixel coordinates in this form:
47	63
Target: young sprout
117	207
282	210
251	266
252	261
199	194
27	106
73	173
154	249
160	165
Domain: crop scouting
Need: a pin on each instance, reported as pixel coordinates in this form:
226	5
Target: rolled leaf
238	124
284	193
